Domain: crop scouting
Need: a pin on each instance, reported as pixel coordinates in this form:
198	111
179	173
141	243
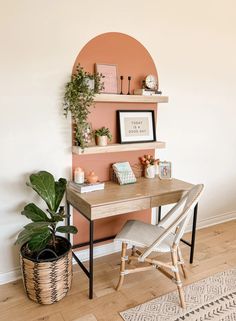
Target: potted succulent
78	98
150	166
46	258
102	135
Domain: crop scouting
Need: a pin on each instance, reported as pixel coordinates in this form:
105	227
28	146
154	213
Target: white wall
193	45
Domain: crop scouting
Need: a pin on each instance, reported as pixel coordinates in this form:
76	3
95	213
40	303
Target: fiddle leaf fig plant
41	232
78	98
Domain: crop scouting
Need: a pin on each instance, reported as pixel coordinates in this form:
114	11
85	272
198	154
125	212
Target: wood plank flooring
215	252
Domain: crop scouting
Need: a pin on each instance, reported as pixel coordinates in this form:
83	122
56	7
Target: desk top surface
145	193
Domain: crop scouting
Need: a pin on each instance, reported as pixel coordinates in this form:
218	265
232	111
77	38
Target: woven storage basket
136	168
47	282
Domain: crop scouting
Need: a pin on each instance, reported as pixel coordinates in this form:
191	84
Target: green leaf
39	240
23	237
67	229
36	226
44	185
60	188
34	213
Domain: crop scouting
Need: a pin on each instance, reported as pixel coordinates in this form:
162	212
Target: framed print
165	171
110	82
136	126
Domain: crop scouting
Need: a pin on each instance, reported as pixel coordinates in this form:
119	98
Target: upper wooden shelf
114	148
130	98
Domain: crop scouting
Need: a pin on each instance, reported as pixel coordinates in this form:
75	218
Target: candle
79	175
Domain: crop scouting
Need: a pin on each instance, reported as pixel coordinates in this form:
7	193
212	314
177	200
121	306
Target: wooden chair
164	237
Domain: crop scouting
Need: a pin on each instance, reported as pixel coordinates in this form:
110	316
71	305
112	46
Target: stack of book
147	92
86	187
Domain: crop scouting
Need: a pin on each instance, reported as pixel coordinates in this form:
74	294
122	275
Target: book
144	92
124	173
87	187
147	92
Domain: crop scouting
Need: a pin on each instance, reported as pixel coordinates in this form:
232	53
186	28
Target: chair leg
122	266
177	277
180	257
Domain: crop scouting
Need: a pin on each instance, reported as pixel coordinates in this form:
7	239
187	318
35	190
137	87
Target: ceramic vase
156	169
92	178
150	171
88	134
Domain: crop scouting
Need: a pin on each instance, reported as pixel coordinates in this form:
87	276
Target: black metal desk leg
159	214
68	218
90	259
193	233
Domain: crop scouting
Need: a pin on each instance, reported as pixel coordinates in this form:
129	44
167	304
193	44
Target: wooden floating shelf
114	148
130	98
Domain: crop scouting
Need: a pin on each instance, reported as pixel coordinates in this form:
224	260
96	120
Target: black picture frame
137	130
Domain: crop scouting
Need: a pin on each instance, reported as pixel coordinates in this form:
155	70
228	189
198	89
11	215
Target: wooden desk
116	199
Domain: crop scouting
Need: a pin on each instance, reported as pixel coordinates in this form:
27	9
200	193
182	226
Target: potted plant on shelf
150	166
102	135
78	98
46	258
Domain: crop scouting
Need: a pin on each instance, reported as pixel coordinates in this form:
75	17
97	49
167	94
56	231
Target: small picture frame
165	170
136	126
110	80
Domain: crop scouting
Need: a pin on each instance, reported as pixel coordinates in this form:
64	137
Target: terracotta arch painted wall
132	59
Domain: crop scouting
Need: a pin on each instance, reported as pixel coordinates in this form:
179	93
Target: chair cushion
143	235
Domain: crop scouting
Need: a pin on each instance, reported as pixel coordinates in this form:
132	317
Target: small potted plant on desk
46	258
102	135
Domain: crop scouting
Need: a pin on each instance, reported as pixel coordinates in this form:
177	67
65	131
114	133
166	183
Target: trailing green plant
78	98
41	232
103	131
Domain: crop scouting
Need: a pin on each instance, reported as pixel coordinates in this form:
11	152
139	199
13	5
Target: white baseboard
112	247
10	276
99	251
210	221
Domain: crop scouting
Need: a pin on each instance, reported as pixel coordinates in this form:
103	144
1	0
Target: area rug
213	298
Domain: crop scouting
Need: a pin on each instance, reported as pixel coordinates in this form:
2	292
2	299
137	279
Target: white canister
79	175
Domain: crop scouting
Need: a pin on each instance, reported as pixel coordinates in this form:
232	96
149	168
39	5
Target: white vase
150	171
156	169
88	134
102	140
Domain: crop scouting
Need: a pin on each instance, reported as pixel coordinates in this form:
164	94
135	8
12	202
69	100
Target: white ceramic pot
150	171
102	140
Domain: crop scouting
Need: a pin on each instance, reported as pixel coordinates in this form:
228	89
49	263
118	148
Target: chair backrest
176	219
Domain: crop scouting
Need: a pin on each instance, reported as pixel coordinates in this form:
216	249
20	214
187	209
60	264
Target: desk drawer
119	208
166	199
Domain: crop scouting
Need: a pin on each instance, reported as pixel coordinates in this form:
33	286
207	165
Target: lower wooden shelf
114	148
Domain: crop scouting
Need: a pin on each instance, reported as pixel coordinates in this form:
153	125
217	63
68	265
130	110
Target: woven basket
136	168
47	282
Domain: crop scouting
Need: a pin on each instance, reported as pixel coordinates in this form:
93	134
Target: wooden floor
215	252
